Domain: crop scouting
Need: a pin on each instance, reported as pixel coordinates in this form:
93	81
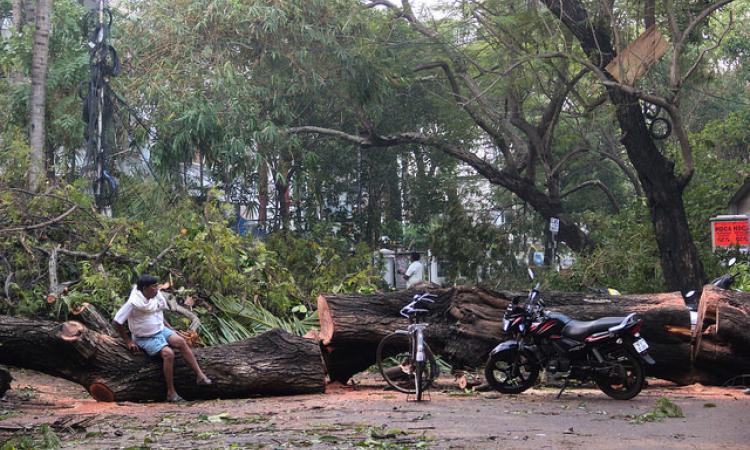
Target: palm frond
239	320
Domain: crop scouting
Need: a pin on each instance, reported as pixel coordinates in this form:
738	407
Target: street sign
554	224
729	231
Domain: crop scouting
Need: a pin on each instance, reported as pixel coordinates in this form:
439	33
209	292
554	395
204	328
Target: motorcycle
610	351
725	281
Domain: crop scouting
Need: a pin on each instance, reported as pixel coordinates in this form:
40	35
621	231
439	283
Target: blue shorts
153	344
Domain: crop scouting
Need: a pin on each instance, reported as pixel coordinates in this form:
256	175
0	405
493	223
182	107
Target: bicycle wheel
396	365
660	128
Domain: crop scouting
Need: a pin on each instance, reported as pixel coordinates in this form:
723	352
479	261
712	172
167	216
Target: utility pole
103	63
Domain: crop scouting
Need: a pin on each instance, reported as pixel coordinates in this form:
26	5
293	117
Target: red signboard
730	233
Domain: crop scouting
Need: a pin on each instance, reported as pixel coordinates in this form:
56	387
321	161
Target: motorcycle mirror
731	261
531	272
689	294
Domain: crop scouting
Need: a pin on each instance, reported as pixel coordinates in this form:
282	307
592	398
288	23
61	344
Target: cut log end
326	321
71	331
101	392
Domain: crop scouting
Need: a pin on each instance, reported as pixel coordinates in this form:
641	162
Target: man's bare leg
167	356
181	344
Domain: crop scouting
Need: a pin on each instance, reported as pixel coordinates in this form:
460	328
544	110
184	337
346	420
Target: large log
5	380
465	323
273	363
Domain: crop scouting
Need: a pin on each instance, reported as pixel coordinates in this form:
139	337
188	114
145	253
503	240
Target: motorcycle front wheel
622	376
511	372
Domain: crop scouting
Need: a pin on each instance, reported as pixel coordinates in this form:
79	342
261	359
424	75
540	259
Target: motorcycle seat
580	329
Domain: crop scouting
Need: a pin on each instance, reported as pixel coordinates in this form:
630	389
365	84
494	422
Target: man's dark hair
145	281
415	256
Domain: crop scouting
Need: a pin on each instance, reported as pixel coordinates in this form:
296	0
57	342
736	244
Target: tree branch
706	50
43	224
600	185
681	37
564	160
8	281
463	103
195	321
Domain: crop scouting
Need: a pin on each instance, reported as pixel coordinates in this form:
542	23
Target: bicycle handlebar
411	308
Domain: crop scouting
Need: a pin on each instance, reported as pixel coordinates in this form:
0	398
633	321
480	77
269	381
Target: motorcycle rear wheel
626	376
500	374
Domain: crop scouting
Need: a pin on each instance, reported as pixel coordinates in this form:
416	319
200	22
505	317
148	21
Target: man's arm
119	321
132	346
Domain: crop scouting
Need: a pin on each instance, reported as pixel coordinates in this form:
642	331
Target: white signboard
554	224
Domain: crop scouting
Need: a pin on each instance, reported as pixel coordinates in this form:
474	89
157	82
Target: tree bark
37	100
466	323
262	194
16	16
273	363
5	380
91	318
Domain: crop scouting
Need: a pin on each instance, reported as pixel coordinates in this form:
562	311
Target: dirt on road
45	412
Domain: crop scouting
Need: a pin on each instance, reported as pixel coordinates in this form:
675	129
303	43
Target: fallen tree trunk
273	363
5	380
466	323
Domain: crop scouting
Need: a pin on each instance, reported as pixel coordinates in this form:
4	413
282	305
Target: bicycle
404	359
659	127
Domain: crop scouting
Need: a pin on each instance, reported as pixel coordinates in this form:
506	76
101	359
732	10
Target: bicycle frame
418	361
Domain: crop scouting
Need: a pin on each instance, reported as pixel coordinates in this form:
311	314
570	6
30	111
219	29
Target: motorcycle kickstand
565	385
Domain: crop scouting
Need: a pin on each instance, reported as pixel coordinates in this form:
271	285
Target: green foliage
626	259
239	319
68	61
245	286
664	408
472	249
325	263
14	154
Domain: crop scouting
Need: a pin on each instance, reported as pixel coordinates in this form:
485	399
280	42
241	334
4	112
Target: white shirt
415	272
142	323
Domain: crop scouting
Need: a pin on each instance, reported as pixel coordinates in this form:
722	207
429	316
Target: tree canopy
336	127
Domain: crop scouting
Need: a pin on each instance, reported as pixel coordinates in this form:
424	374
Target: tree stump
466	323
273	363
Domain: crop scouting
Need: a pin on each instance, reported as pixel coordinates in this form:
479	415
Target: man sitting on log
152	333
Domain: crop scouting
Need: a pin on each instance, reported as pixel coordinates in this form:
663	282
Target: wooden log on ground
5	380
465	324
273	363
722	342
